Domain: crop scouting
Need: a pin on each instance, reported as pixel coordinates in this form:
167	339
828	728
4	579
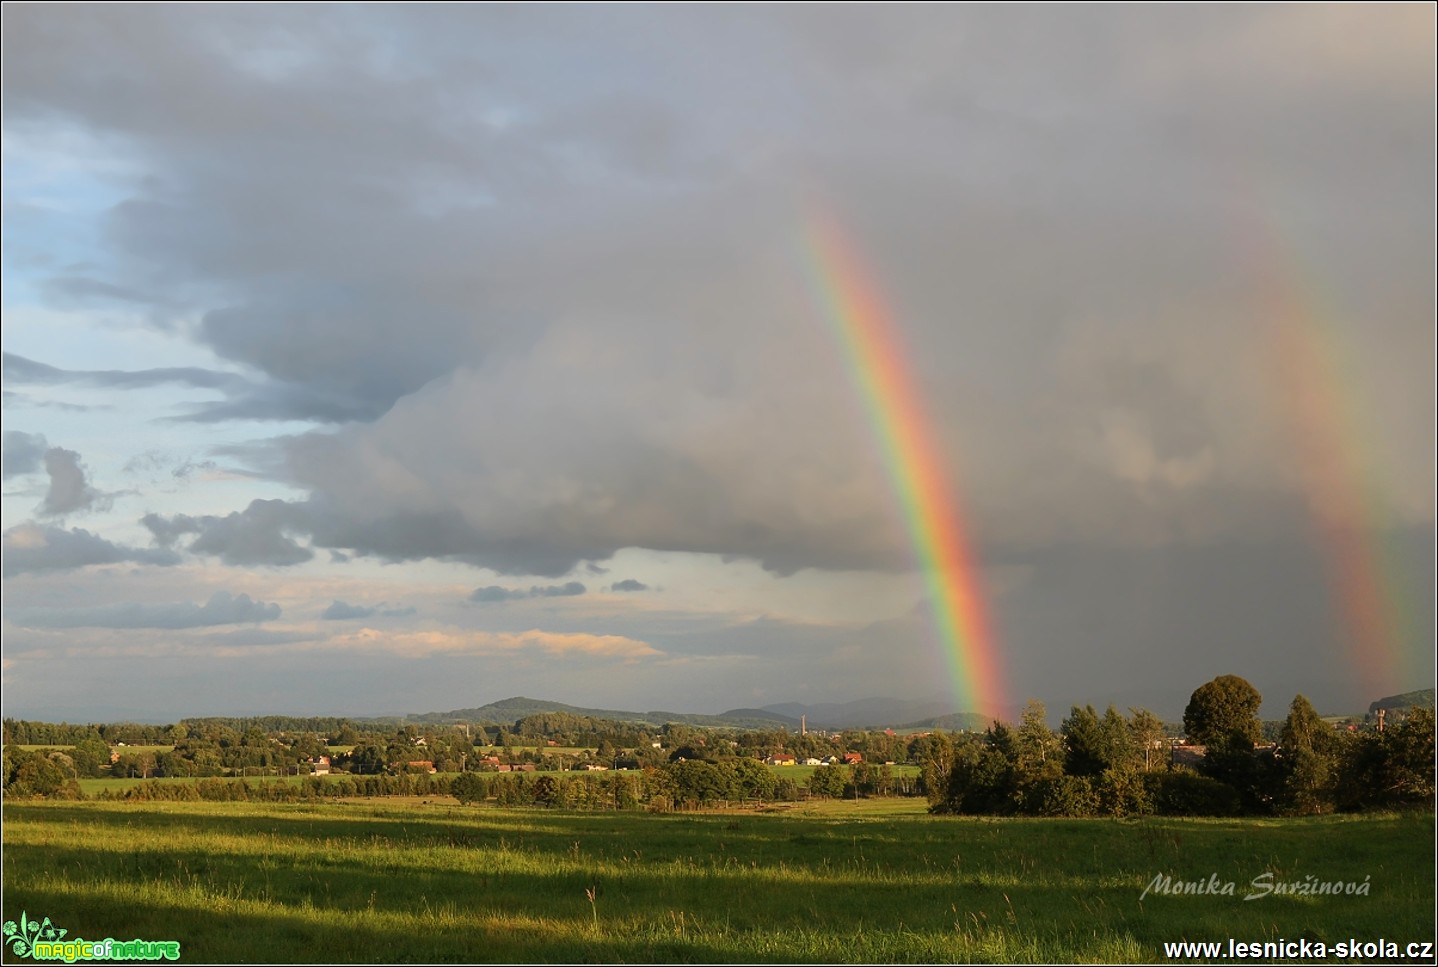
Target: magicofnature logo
42	940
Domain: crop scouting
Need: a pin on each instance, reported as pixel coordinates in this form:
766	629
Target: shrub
1185	793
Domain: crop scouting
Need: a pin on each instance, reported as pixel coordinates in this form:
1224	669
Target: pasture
875	881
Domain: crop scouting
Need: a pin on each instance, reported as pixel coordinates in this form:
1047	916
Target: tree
698	781
829	781
935	756
861	778
1087	751
1410	745
1145	732
92	757
1116	744
545	790
755	779
469	787
1306	746
981	779
1039	751
1224	712
367	759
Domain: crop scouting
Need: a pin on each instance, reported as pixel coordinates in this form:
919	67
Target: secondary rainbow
1336	460
874	353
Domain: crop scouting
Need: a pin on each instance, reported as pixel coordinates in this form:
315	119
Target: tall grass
410	883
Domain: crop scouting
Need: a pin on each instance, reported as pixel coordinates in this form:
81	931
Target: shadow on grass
336	885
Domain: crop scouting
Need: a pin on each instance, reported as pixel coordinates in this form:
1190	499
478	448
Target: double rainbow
874	353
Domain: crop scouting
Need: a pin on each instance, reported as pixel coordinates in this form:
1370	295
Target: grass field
877	881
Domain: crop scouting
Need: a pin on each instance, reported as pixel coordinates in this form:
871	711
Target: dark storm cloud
68	490
584	228
34	548
1263	610
223	608
258	535
23	453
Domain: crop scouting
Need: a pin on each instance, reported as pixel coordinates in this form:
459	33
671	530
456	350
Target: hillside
957	721
864	713
1421	697
509	710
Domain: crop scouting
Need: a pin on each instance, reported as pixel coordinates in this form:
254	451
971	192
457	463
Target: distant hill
1422	697
510	710
865	713
765	718
966	721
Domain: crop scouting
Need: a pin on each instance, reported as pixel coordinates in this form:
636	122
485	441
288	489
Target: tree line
1113	765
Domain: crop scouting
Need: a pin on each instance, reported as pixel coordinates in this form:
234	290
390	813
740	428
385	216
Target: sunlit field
879	880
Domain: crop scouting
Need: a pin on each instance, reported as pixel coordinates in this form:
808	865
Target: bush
1123	792
1064	796
1188	794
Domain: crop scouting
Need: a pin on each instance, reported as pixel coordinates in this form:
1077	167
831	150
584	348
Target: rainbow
877	364
1330	439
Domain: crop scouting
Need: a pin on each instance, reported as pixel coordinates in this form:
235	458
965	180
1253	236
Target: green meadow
877	881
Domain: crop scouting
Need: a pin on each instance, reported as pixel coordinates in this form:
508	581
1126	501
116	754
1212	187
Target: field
877	881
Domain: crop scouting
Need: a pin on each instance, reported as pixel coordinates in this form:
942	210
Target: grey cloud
13	400
189	467
245	399
222	609
22	370
35	548
256	637
258	535
68	490
494	593
23	453
629	584
342	611
82	290
569	590
618	267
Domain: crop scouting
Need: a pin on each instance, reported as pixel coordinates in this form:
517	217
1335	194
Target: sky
379	359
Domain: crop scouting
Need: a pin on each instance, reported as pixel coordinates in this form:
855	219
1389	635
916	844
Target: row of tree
690	783
1112	765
